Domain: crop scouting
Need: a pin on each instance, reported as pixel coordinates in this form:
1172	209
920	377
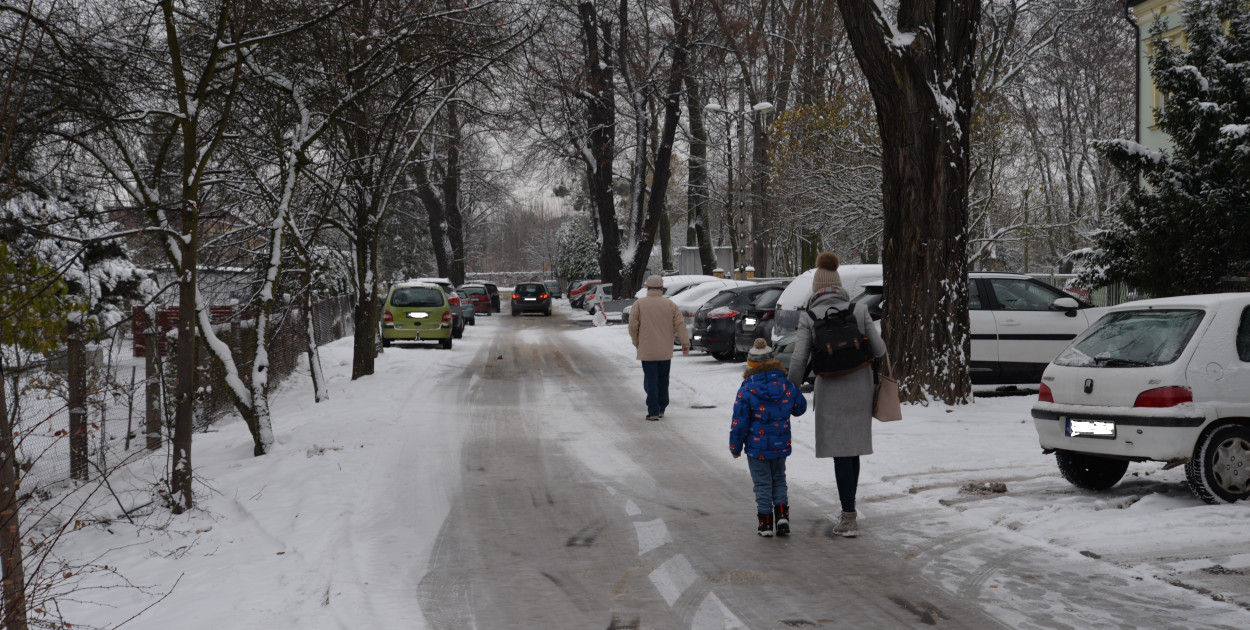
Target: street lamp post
746	239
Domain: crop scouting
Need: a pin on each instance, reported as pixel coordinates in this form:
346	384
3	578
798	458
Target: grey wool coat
843	404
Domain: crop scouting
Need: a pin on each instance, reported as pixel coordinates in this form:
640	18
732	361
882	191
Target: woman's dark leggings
846	473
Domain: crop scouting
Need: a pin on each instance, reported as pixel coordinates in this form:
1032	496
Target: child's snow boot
782	516
766	525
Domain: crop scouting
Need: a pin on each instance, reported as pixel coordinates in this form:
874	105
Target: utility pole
744	258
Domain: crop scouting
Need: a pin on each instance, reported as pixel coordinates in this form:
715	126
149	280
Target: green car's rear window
417	297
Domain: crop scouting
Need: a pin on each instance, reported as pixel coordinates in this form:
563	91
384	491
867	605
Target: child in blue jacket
761	427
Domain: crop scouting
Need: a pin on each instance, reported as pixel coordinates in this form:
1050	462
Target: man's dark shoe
652	417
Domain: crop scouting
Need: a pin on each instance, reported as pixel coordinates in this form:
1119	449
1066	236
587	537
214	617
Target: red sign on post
167	320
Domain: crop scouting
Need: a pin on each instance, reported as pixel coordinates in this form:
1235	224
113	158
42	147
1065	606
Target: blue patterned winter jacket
761	421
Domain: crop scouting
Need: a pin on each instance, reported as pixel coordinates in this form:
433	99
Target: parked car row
577	291
719	323
434	309
1017	323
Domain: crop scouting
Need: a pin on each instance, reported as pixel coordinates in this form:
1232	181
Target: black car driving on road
531	296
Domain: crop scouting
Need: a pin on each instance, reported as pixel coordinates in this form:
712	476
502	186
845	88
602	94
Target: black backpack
838	346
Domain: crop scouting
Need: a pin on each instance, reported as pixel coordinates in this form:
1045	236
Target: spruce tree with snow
1186	224
577	253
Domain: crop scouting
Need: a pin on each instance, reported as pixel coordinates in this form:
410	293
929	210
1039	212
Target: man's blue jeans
655	382
769	476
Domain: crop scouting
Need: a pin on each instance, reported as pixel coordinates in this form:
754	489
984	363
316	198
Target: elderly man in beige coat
653	321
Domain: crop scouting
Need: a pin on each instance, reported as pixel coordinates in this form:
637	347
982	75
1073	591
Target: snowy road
577	513
540	539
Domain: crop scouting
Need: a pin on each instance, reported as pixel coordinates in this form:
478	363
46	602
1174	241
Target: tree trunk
11	556
663	155
313	351
76	377
181	498
435	215
921	75
697	188
451	194
364	347
601	121
152	418
666	242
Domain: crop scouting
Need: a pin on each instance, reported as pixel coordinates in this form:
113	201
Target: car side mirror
1067	304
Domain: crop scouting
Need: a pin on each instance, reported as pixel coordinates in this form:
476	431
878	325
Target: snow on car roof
1191	301
853	279
678	281
407	284
704	292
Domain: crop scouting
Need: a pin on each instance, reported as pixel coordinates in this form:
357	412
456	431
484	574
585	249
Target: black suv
531	296
757	321
716	323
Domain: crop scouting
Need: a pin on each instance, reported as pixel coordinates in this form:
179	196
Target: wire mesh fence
121	374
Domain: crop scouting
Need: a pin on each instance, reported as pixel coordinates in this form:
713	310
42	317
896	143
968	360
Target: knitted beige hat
759	353
826	272
655	282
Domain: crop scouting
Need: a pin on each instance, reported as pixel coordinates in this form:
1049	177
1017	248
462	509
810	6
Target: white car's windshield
1133	339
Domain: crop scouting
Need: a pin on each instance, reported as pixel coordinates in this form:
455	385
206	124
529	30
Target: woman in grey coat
843	403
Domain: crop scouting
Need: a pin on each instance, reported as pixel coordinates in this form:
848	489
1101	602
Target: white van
794	298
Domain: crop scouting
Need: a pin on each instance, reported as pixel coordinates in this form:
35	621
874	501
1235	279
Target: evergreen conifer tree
1186	225
577	253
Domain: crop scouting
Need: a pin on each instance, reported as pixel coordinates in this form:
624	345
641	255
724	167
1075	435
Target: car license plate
1090	428
531	299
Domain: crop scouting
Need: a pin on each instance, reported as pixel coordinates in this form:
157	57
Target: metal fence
116	384
1119	293
1110	295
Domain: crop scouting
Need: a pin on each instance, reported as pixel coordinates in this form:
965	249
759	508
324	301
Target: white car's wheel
1090	472
1219	471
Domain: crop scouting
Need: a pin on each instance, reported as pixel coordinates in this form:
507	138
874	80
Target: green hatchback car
416	311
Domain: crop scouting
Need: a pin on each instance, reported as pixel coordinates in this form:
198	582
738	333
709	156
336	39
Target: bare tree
379	136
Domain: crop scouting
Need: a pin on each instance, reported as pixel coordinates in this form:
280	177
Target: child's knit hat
759	353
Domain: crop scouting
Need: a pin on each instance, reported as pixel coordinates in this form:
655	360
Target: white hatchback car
1165	380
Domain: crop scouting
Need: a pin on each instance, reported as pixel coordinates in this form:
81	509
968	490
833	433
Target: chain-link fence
121	374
